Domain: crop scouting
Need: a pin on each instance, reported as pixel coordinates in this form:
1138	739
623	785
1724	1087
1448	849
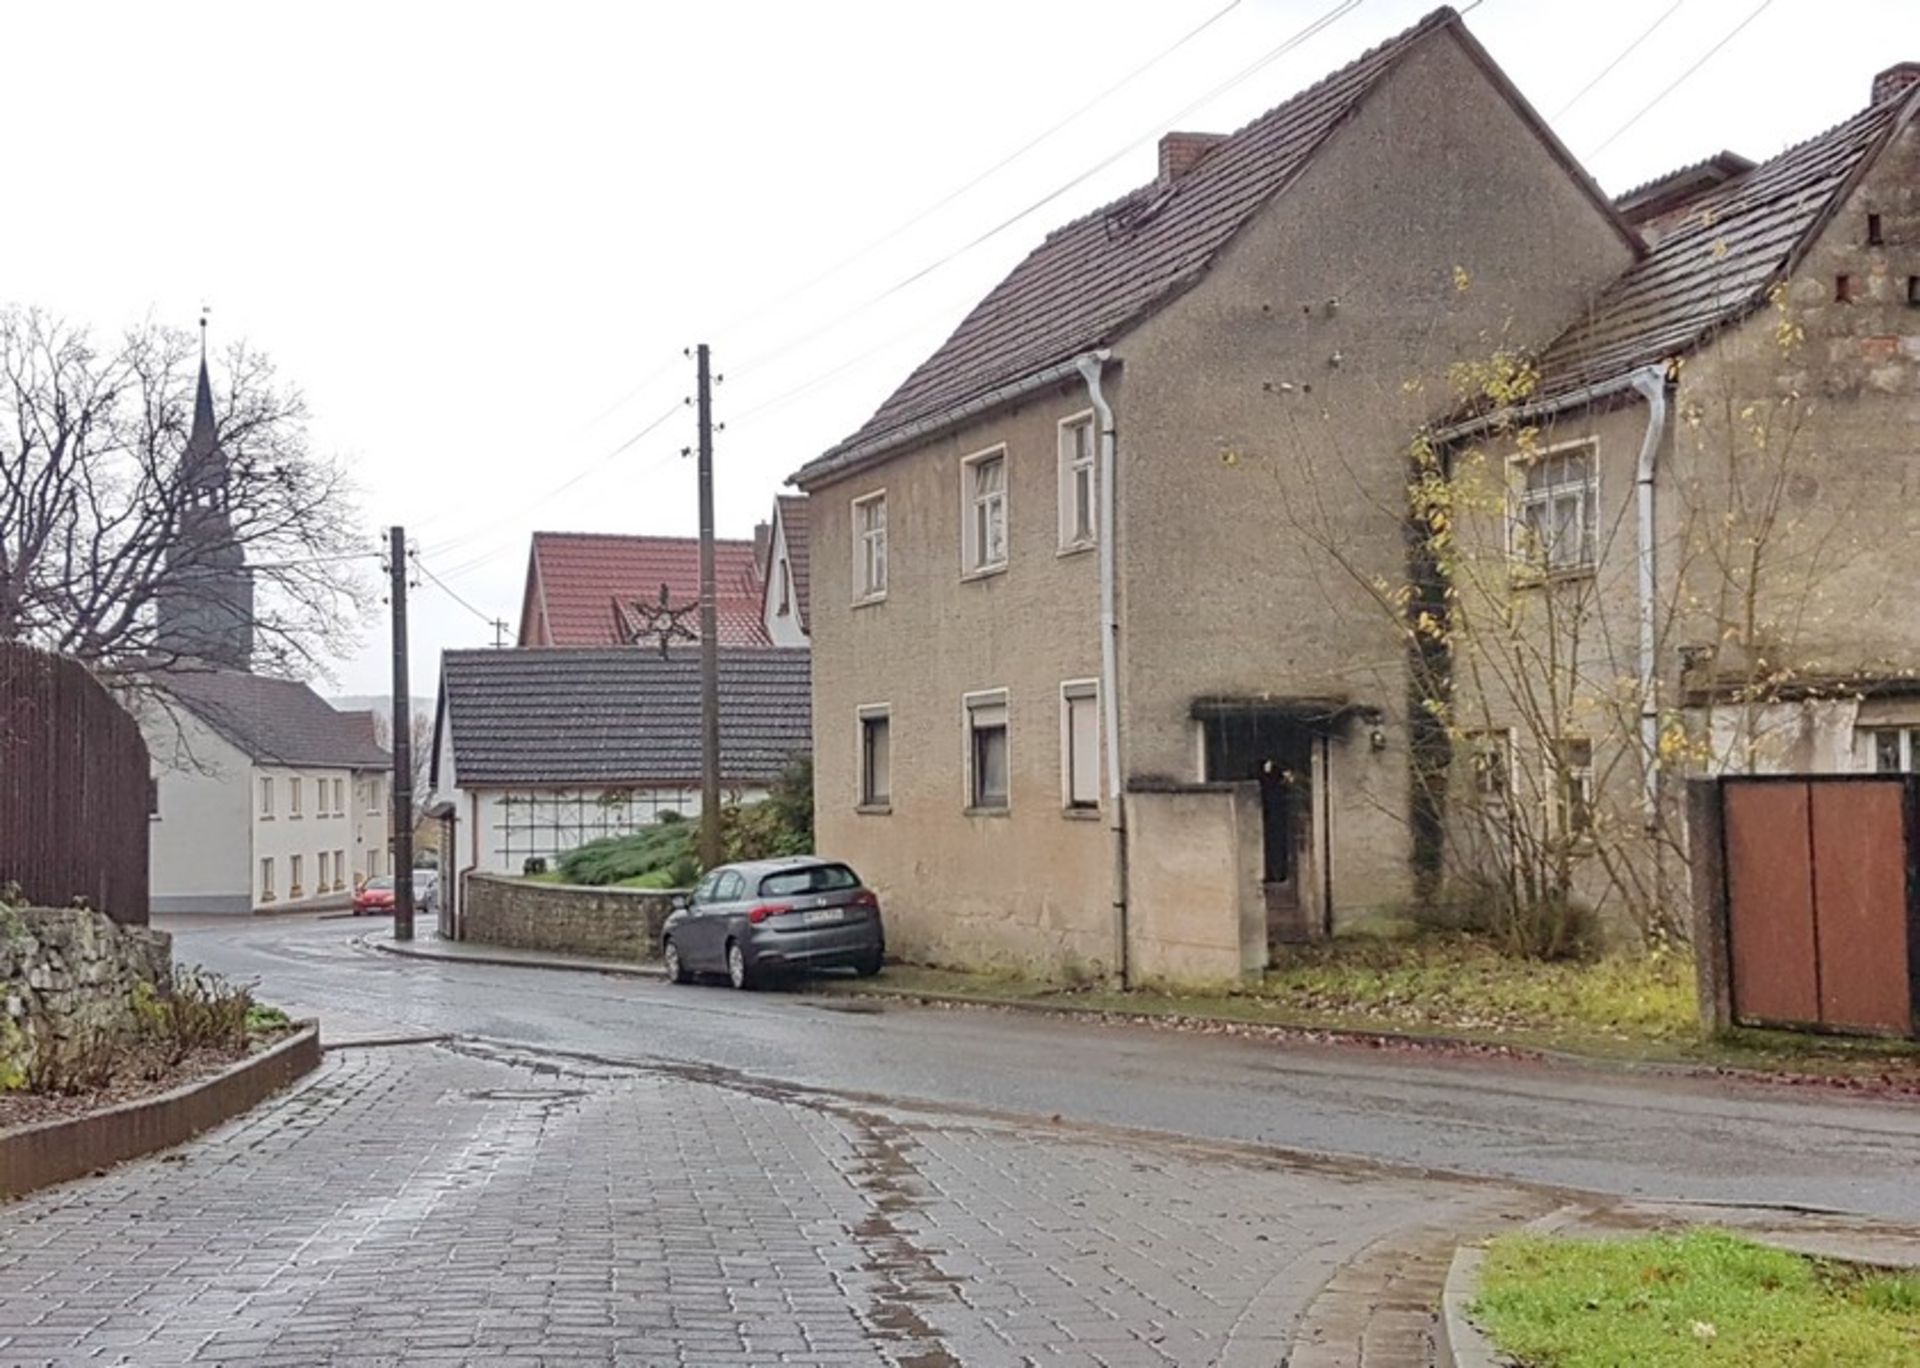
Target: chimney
1896	79
762	539
1181	152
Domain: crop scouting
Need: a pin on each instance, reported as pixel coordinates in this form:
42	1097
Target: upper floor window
870	547
266	795
876	757
786	591
1076	483
339	797
1555	513
1894	750
1490	755
984	480
293	796
987	751
373	797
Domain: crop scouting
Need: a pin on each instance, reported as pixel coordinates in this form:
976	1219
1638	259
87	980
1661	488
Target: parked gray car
764	917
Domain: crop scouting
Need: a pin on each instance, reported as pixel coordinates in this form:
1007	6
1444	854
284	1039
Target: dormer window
786	591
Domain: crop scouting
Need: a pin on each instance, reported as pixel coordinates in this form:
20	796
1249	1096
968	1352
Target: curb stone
417	951
38	1156
1462	1343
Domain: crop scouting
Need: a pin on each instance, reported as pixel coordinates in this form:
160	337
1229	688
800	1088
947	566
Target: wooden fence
74	788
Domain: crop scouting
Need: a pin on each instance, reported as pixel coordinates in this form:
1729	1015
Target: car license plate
821	916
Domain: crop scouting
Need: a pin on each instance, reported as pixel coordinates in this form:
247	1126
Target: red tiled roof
582	586
1718	258
1091	280
793	525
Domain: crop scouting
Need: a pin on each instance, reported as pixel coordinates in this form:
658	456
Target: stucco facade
1788	462
213	832
1265	409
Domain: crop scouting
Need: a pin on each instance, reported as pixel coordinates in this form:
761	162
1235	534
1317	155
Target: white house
539	750
265	796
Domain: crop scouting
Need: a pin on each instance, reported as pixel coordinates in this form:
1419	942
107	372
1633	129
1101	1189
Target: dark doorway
1275	751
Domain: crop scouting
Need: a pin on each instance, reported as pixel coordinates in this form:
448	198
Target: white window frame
293	796
1560	798
973	564
1907	740
373	796
267	894
322	862
1481	743
1520	499
869	587
266	797
1073	465
339	870
1073	691
865	799
339	797
972	704
296	866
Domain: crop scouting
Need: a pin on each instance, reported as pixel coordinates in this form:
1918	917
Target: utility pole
401	803
710	845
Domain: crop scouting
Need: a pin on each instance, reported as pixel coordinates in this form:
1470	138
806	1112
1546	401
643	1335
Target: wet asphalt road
1662	1138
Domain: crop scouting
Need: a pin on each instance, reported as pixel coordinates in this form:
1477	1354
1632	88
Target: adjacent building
610	589
266	798
786	573
537	752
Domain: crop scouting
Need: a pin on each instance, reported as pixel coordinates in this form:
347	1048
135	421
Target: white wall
782	630
497	836
200	856
282	835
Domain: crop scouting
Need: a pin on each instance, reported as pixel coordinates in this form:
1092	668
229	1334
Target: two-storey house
1087	698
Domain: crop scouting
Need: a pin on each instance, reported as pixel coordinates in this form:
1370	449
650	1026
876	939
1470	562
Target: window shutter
1083	737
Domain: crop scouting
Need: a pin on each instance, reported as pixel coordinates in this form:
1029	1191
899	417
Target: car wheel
676	967
738	972
869	965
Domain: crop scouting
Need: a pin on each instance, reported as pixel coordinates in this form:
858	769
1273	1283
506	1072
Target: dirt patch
140	1069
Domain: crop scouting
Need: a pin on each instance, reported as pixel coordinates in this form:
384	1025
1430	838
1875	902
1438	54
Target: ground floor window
323	863
987	780
1080	743
294	863
1893	750
545	823
876	757
266	879
1573	781
339	870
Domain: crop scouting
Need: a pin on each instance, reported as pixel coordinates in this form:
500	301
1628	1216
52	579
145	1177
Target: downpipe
1651	382
1092	366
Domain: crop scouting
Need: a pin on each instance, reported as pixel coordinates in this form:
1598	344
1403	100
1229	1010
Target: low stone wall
66	974
612	923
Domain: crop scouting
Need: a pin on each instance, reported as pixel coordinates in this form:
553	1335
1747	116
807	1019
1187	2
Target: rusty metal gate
74	796
1823	900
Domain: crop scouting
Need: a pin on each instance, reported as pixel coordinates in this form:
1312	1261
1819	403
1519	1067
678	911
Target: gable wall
1223	592
201	848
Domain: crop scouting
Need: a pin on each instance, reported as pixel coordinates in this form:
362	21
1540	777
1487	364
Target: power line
1333	15
998	166
1625	53
1682	78
421	566
467	538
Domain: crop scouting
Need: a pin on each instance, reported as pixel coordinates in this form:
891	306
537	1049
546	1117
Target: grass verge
1702	1298
1637	1008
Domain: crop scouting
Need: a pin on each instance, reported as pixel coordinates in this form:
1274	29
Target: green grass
1627	1008
1703	1298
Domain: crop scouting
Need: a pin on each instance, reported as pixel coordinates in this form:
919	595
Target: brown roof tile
1718	259
1090	280
793	522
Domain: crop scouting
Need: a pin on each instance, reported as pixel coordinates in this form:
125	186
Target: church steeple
205	611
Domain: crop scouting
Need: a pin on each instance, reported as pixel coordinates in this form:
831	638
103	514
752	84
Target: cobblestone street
473	1203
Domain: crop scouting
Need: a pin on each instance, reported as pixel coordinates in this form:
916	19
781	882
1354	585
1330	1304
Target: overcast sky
479	235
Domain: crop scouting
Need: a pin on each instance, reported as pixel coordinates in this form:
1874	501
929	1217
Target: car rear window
813	879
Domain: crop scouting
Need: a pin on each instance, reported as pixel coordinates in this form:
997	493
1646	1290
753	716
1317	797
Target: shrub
664	846
83	1064
204	1011
1549	927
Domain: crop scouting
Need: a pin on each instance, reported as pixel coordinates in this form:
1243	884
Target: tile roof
1718	258
276	721
581	576
793	524
620	716
1091	280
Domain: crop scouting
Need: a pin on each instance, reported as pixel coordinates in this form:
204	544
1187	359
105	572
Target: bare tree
95	492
